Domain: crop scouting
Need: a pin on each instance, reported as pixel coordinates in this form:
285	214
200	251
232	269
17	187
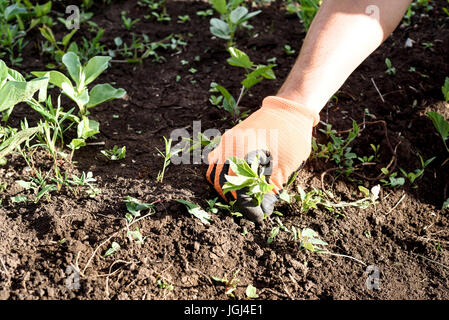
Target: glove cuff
291	106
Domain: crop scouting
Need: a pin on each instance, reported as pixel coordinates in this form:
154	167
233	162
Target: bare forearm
343	34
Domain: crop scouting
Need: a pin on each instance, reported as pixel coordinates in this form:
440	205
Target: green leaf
95	67
283	195
75	144
14	92
440	124
18	199
445	204
87	128
251	292
196	211
16	140
258	75
238	14
114	248
445	89
239	58
57	78
102	93
47	33
364	190
220	29
134	206
13	10
73	65
219	6
26	184
66	39
250	15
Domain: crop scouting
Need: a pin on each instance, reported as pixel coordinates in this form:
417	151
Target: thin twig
436	262
112	273
400	200
377	89
345	256
4	266
274	292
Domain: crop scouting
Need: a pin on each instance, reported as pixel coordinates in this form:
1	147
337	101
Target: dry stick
436	262
285	289
4	266
377	89
108	239
400	200
344	256
111	274
283	295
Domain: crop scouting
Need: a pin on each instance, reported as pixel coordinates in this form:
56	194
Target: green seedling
115	153
151	4
254	75
135	207
136	236
205	13
249	178
232	17
112	250
211	204
338	149
307	11
288	50
39	185
183	19
445	204
230	285
445	89
83	75
57	48
273	234
229	208
393	179
442	126
167	156
196	211
162	284
309	240
412	176
161	17
84	180
251	292
128	23
390	69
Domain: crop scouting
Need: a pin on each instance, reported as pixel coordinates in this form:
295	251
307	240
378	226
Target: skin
342	35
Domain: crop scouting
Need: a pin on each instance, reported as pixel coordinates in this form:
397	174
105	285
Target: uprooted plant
247	177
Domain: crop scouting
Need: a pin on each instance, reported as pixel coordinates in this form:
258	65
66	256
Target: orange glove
282	129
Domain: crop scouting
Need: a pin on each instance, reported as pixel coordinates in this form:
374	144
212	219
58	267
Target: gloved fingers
216	176
251	210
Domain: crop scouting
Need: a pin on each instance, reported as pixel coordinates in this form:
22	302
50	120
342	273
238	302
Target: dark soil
405	235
